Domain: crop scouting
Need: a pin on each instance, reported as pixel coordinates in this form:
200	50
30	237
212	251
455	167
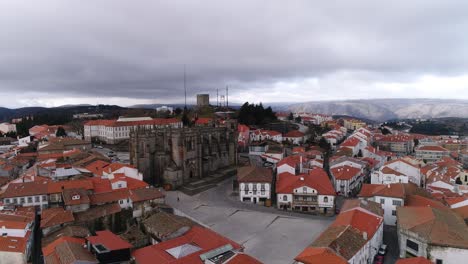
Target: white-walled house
354	236
312	192
26	194
347	179
398	171
390	196
438	234
290	164
254	184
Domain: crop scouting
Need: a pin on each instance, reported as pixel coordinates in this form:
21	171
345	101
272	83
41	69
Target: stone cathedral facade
177	156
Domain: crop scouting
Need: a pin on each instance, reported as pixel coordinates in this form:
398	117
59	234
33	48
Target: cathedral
176	156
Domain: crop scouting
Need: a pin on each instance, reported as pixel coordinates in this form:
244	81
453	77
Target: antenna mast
227	96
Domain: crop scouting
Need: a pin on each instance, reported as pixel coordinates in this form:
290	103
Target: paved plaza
272	236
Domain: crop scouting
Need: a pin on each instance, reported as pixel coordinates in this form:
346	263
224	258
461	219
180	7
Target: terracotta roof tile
55	216
254	174
110	240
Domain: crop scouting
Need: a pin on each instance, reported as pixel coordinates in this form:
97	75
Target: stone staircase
208	182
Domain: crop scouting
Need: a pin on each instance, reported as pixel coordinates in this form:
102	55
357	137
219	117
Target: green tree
60	132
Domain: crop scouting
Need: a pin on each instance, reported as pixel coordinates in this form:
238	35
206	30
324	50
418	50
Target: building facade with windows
254	184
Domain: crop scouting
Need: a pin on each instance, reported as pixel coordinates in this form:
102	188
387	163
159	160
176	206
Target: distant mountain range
372	109
387	109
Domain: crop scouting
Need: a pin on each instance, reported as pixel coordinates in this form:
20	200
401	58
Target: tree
178	111
60	132
359	153
324	144
185	118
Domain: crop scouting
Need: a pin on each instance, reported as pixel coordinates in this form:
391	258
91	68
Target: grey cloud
138	48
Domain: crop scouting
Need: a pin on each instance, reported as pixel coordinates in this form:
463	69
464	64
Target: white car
383	250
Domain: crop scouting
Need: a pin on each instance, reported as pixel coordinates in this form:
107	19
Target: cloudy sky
129	52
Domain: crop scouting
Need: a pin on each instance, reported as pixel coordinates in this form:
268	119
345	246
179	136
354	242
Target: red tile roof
386	190
254	174
57	187
316	179
320	255
345	172
418	260
292	161
109	240
294	134
418	200
145	194
431	148
108	197
362	221
203	238
14	244
55	216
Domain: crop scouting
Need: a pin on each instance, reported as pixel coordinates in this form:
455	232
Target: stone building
203	100
177	156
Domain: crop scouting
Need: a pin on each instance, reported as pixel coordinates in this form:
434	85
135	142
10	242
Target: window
412	245
325	199
393	212
396	202
382	200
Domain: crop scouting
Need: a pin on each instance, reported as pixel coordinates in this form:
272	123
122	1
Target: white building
17	235
431	153
165	108
347	179
398	171
390	196
312	192
438	234
254	184
7	128
114	131
347	239
27	194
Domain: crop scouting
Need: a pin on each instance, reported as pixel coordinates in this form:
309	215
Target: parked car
383	250
379	259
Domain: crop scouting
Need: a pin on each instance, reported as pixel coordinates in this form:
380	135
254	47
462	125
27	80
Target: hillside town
370	193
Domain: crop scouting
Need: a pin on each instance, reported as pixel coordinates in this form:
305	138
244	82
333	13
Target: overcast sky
129	52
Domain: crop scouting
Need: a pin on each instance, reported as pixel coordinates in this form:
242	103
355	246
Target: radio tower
227	96
185	90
